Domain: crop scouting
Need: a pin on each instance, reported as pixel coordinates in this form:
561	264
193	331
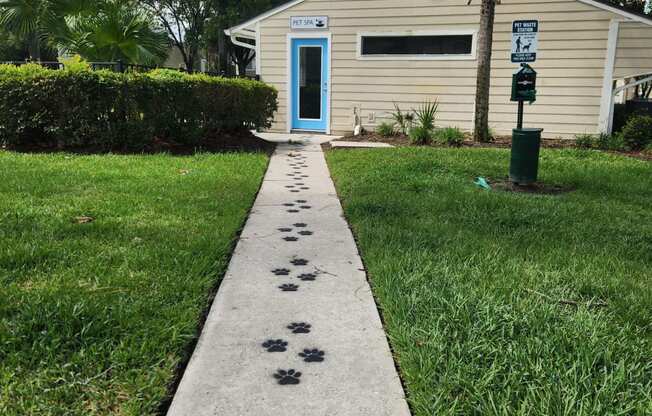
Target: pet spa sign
309	22
525	40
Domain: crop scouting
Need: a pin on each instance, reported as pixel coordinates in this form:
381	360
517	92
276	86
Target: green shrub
585	141
420	135
71	108
610	141
426	114
637	133
385	129
451	136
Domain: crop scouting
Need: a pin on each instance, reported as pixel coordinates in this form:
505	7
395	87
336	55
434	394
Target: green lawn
476	288
95	317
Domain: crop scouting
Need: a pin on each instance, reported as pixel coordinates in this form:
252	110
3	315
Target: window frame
431	57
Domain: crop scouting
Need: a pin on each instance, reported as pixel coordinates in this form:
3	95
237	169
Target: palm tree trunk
483	83
34	46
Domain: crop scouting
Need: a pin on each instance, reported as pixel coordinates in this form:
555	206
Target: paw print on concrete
289	377
275	345
307	277
289	287
290	239
299	327
312	355
281	272
299	262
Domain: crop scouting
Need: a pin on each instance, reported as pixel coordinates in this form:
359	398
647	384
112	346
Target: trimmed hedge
79	108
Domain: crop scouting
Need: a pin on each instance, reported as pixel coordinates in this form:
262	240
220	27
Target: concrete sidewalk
294	329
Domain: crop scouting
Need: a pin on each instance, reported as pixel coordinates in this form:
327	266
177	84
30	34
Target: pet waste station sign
525	41
309	22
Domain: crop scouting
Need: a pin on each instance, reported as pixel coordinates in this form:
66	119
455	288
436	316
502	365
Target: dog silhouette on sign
527	47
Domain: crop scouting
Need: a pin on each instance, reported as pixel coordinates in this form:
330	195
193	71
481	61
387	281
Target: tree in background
118	30
634	5
185	22
37	21
481	131
229	14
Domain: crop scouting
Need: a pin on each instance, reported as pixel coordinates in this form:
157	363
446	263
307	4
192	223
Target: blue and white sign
525	40
309	22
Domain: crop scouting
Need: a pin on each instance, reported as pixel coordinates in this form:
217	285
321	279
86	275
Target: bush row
77	107
636	135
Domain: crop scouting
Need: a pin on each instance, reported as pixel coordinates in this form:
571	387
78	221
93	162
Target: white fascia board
616	10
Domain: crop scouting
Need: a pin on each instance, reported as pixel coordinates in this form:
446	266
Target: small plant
386	129
403	120
585	141
451	136
637	133
426	114
605	141
420	135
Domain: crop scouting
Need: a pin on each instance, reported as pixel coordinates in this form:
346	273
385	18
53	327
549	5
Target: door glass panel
310	82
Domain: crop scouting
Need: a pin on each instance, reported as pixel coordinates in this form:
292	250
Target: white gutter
606	102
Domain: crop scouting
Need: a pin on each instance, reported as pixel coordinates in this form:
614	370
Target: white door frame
288	69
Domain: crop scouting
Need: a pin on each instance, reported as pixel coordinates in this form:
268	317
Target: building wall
634	53
572	51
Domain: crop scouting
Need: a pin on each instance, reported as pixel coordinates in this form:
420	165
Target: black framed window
416	45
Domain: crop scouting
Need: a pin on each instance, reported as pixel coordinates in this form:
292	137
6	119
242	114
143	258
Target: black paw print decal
300	225
299	262
285	230
301	201
281	272
293	211
299	327
288	377
290	239
288	204
275	345
307	277
306	232
289	287
312	355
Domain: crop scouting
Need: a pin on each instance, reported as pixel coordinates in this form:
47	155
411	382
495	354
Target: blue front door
309	84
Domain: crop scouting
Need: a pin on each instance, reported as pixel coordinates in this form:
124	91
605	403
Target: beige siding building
366	55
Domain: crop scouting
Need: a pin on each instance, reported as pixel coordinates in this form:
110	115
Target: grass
508	304
94	317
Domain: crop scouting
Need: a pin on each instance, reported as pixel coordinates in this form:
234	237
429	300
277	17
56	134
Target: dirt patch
222	142
536	188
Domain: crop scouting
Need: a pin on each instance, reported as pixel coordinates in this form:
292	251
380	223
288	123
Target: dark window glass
417	45
310	72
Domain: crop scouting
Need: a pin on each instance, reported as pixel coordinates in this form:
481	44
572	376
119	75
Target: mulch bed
501	142
222	142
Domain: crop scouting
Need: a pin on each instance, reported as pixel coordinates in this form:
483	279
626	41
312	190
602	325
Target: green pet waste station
526	143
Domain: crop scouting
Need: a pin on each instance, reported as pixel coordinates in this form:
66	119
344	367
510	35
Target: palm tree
120	30
37	21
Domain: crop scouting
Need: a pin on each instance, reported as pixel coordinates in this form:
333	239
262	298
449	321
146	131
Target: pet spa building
336	63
